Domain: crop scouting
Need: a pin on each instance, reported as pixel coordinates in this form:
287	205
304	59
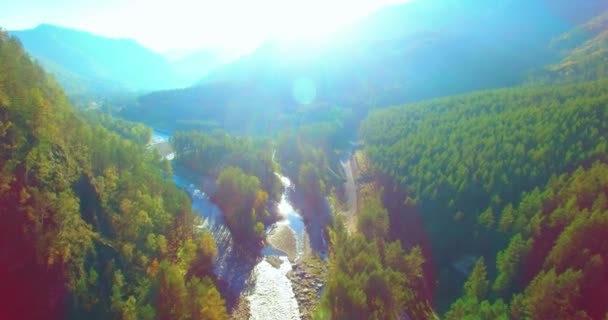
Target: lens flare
304	90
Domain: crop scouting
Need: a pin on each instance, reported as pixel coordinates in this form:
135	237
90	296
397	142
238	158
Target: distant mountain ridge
406	52
90	66
191	67
93	57
583	54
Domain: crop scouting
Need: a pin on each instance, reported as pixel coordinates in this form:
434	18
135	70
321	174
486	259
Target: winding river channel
266	287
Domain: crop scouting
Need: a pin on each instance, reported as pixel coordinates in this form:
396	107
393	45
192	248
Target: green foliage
506	219
486	218
447	149
129	310
373	279
206	253
552	296
205	301
133	131
310	179
470	308
477	285
179	298
372	217
472	305
172	294
117	292
508	263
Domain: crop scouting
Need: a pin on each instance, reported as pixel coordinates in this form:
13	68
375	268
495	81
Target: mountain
464	200
191	67
407	52
87	63
583	52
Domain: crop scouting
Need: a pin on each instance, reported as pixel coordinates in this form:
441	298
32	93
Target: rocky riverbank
308	281
241	311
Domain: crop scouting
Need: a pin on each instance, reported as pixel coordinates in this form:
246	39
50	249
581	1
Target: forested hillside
553	266
463	159
436	159
92	227
372	277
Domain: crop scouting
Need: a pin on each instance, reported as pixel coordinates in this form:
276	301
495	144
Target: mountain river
267	288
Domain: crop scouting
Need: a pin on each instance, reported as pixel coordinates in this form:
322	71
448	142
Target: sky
182	25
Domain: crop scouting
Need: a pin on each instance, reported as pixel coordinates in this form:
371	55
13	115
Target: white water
158	137
292	219
272	295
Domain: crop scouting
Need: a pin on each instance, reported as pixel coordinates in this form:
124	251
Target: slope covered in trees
92	227
553	266
464	158
371	277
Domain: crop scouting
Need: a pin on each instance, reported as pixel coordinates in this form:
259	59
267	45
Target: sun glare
315	20
292	21
194	24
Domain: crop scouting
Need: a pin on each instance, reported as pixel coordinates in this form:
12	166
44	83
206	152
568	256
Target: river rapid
266	287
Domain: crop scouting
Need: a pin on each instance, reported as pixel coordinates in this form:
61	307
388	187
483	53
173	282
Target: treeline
464	158
554	264
92	227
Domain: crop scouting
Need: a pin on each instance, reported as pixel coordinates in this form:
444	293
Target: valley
261	283
429	160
